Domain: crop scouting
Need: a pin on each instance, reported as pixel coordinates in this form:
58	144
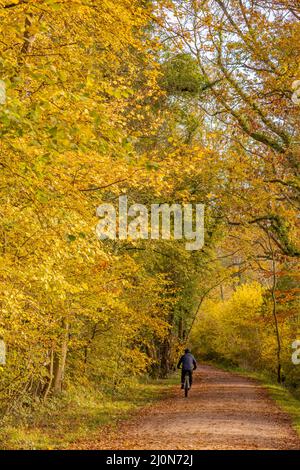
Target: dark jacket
188	362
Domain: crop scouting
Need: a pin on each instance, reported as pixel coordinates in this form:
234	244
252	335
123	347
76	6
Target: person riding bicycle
189	364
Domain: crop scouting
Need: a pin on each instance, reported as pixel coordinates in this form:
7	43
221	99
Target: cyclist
189	364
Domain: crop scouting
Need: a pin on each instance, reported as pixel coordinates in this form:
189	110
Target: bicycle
186	386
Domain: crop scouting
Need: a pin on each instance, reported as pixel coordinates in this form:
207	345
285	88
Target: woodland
191	101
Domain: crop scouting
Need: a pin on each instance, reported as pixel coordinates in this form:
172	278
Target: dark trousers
183	372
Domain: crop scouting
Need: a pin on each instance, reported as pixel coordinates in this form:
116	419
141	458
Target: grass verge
77	414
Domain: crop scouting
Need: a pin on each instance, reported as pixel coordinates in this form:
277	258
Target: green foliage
181	75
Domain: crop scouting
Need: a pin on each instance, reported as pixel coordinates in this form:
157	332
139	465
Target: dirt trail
223	411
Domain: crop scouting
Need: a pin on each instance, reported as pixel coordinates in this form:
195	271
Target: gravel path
223	411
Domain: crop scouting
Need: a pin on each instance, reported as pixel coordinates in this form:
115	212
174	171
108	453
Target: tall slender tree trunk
180	328
51	367
165	358
59	363
274	311
222	293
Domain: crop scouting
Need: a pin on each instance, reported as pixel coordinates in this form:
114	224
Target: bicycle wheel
186	385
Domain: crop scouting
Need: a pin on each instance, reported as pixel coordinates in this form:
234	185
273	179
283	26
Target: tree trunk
165	358
51	367
222	293
180	328
59	362
274	311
